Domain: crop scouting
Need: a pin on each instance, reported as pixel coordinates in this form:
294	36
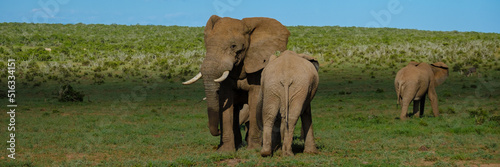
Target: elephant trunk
211	91
212	69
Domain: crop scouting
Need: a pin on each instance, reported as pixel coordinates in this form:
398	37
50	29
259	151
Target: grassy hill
178	51
135	112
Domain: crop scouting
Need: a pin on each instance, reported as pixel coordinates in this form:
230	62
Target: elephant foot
265	152
288	153
226	148
311	150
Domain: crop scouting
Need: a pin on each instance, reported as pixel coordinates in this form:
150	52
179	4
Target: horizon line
138	24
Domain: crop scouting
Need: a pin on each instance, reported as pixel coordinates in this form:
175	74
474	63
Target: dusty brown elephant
288	85
417	80
237	50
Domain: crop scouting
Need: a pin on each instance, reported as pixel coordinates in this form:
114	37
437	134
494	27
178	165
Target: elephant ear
440	71
311	59
266	37
210	24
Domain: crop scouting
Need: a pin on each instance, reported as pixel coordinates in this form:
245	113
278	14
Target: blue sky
440	15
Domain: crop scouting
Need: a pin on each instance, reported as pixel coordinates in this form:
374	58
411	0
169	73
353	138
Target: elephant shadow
298	144
414	115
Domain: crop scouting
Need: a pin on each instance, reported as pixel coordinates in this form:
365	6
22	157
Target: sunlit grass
164	123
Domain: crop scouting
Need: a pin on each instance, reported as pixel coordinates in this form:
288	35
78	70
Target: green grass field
136	112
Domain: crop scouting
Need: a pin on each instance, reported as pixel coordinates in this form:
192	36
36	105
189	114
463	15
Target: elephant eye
233	46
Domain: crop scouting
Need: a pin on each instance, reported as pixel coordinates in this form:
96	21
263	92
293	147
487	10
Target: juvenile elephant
288	85
417	80
237	51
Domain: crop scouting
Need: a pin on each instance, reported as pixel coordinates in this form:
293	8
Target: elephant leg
416	105
231	135
244	114
434	101
288	135
228	137
422	106
243	119
278	132
302	135
405	103
254	132
238	139
269	114
296	106
307	130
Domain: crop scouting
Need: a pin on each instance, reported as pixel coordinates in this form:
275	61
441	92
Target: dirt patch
355	141
427	163
95	157
423	148
73	156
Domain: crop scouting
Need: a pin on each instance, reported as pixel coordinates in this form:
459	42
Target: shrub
457	67
68	94
480	115
113	64
479	112
344	92
449	110
86	63
495	118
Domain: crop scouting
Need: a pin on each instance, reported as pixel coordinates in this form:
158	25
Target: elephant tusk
192	80
223	77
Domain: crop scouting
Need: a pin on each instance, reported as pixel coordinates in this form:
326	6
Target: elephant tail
286	101
399	88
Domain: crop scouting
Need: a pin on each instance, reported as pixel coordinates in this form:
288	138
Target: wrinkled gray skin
414	82
242	48
288	85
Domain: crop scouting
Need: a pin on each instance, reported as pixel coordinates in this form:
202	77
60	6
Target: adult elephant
417	80
237	51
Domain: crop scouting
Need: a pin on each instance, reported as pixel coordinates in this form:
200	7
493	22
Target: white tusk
192	80
223	77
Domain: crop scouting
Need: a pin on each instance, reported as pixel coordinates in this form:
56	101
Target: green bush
68	94
480	115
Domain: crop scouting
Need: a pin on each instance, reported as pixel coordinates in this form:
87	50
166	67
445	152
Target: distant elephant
237	50
417	80
289	83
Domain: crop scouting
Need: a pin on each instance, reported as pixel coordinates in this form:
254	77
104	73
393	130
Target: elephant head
440	71
235	48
